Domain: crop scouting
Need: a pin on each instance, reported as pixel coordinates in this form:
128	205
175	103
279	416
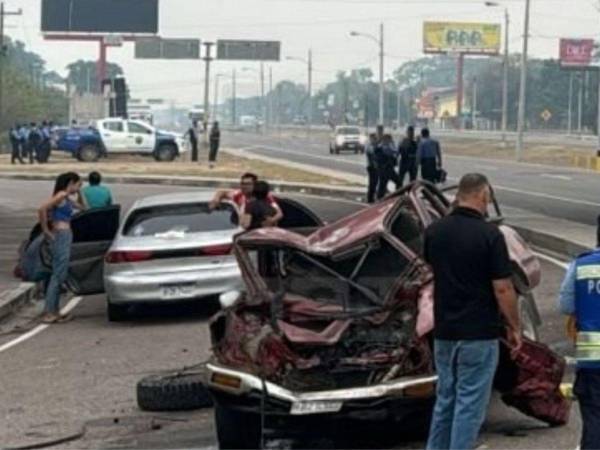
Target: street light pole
234	99
505	77
570	112
310	105
381	70
523	85
207	59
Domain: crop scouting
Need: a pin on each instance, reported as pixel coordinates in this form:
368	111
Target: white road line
37	330
556	177
550	259
307	155
485	167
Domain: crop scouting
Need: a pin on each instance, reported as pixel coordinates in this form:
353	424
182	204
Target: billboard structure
100	16
249	50
578	54
461	37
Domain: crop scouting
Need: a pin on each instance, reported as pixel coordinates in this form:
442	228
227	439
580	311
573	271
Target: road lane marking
556	177
484	167
37	330
550	259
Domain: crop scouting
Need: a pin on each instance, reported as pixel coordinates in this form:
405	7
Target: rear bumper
177	285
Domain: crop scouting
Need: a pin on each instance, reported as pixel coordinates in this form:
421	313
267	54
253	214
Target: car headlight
339	140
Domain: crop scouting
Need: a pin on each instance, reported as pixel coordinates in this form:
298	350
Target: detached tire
236	429
173	392
166	153
88	153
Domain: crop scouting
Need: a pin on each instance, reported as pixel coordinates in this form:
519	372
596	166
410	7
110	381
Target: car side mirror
227	299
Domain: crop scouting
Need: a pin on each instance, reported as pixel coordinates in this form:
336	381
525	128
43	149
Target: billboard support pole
101	65
459	88
580	107
570	112
233	99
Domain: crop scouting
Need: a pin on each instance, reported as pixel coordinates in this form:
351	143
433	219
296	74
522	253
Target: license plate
177	290
316	407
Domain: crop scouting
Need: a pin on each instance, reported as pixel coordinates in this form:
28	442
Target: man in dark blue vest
580	297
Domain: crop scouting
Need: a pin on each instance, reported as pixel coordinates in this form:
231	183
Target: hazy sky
323	25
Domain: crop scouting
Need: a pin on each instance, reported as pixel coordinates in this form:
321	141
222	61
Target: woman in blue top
55	219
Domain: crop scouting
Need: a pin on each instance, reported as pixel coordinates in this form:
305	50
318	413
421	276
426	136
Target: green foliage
83	76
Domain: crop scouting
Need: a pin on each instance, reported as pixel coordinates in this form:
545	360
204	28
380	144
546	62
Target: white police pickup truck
119	136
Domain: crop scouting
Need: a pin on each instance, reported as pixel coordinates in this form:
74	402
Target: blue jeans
61	255
466	372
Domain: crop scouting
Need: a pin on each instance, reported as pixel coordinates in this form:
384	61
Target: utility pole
505	77
474	104
263	104
570	112
234	99
381	76
310	105
216	96
523	86
580	108
398	100
207	59
3	14
270	99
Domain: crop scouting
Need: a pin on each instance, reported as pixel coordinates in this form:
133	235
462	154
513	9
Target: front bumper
350	146
245	391
131	286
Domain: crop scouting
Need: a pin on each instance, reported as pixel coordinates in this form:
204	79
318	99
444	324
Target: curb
14	298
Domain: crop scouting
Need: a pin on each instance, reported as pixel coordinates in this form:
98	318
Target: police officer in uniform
580	299
15	143
46	144
372	171
34	142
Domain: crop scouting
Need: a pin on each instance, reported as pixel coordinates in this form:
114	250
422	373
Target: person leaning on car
242	196
259	212
473	290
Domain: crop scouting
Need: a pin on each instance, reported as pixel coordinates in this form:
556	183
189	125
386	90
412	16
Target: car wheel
529	325
337	151
117	313
88	153
330	150
166	153
178	391
237	430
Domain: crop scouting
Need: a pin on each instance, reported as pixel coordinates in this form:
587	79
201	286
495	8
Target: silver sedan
170	248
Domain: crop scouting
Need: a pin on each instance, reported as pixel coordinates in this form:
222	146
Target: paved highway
561	192
78	379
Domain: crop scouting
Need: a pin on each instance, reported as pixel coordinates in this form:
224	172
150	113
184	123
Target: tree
83	77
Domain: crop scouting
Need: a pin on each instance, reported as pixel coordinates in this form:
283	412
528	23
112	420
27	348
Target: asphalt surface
560	192
77	380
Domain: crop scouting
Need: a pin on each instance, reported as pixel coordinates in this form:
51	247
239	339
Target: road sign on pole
249	50
158	48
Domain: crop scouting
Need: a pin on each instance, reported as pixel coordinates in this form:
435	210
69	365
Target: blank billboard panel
248	50
100	16
157	48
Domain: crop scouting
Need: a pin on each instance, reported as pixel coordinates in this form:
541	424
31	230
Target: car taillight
216	250
128	257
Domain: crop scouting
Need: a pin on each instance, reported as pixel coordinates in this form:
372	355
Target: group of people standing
387	162
31	141
214	138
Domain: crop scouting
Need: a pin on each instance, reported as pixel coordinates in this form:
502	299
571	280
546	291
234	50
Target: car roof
176	198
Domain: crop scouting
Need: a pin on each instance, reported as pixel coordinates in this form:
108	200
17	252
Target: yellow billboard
463	37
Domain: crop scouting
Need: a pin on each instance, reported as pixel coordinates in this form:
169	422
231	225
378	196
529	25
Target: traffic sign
546	115
249	50
158	48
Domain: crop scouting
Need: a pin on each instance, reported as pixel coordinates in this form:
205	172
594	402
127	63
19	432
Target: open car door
297	217
93	233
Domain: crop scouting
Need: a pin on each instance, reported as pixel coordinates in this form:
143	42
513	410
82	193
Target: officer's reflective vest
587	309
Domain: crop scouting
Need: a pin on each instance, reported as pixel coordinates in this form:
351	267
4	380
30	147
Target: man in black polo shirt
473	292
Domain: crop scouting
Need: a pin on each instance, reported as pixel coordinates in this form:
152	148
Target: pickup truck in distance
119	136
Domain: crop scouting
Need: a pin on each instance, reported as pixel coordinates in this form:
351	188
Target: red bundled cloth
530	381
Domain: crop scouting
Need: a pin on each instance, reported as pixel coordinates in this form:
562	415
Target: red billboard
576	53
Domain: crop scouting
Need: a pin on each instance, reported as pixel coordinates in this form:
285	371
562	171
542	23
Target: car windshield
180	219
348	130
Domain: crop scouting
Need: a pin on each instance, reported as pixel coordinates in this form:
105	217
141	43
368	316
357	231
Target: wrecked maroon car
333	331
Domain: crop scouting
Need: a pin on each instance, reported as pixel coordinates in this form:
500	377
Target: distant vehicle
249	121
300	120
114	136
346	137
169	248
196	115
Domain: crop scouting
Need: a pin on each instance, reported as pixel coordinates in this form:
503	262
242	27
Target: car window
348	130
181	218
114	126
137	128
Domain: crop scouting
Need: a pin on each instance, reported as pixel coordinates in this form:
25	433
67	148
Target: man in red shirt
243	195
